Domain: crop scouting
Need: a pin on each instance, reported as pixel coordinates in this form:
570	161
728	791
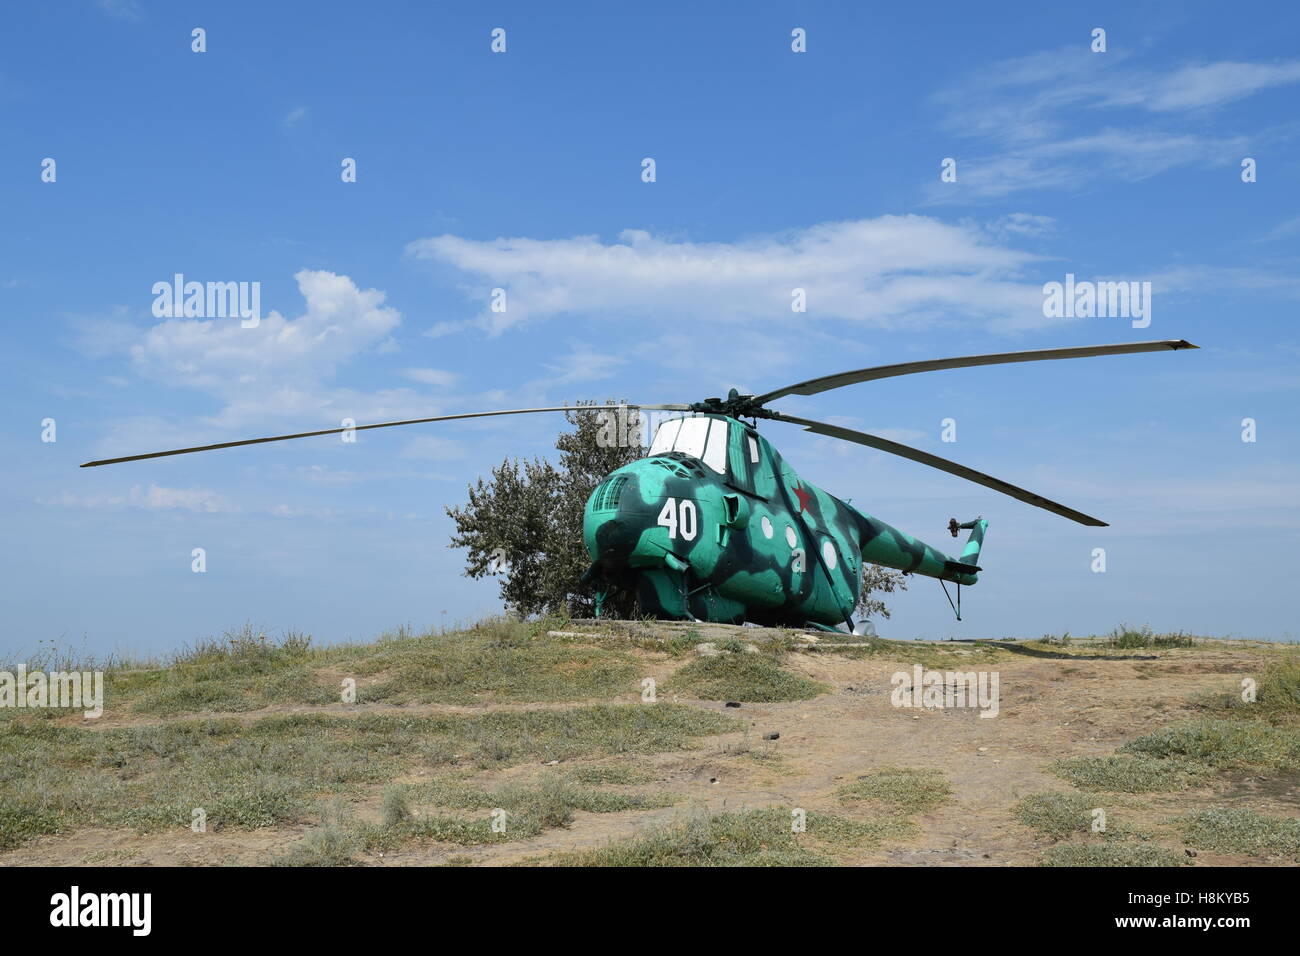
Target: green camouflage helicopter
714	524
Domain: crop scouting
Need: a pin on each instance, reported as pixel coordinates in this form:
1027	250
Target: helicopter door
837	570
744	458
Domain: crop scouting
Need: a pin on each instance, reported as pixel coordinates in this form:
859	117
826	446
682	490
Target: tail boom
885	545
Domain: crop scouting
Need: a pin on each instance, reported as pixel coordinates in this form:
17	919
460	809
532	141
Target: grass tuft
499	660
1242	831
1223	744
1131	774
616	774
746	838
1112	854
1277	693
1056	816
333	843
1127	637
521	810
905	791
745	677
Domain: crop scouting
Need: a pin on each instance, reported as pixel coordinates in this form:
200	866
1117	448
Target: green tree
876	581
524	525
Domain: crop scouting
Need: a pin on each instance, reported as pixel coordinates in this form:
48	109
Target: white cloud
222	356
1036	96
274	378
122	9
151	498
99	336
1022	224
889	271
1201	279
1283	230
1129	156
432	448
1067	117
292	511
1214	84
584	364
292	117
432	376
279	372
440	329
157	498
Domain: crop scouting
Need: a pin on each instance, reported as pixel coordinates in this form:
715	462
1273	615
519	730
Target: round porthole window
790	537
767	526
829	555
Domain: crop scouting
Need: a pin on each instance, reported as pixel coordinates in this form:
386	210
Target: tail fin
891	548
970	555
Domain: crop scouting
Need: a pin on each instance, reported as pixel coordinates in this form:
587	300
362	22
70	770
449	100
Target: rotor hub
734	405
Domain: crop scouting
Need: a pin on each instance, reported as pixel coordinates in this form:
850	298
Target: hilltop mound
645	743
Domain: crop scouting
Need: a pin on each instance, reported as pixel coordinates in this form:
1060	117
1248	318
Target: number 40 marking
679	516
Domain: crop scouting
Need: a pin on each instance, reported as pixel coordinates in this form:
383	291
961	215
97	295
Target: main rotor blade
943	464
361	428
827	382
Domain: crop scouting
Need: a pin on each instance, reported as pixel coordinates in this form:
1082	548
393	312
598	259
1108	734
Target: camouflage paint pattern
756	544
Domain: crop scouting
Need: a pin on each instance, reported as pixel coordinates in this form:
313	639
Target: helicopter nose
612	535
616	517
609	534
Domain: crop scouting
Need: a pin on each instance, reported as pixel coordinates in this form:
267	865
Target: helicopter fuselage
715	525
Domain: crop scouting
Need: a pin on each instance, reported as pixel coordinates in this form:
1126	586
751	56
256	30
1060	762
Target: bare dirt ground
1051	707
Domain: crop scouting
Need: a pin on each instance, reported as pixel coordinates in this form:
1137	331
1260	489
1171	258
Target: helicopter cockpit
727	448
703	438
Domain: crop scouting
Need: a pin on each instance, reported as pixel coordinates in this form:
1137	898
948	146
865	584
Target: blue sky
522	170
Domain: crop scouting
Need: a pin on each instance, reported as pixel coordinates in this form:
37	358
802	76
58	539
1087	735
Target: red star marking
803	496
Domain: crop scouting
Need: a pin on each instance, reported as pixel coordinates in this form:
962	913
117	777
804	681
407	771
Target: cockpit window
702	438
692	436
715	449
665	436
